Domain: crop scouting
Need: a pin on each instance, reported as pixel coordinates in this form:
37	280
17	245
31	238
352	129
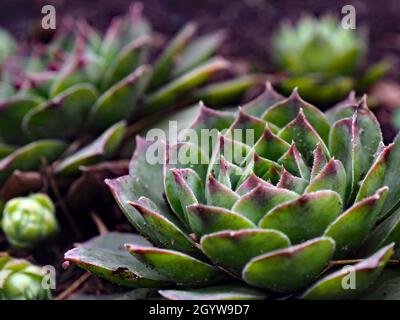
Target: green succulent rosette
29	221
20	280
239	218
70	101
323	59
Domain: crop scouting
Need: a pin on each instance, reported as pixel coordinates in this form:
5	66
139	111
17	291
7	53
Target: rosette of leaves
239	218
83	84
29	221
323	59
21	280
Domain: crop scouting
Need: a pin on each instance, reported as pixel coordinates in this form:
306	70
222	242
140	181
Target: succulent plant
7	45
20	280
273	212
83	84
28	221
323	59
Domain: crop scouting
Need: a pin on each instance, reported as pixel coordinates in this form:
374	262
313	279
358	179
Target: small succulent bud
28	221
20	280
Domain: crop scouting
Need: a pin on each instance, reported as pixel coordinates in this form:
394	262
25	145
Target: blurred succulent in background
273	212
29	221
7	45
82	85
20	280
323	60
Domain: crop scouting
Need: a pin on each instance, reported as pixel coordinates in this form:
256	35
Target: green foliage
84	82
323	59
310	189
29	221
21	280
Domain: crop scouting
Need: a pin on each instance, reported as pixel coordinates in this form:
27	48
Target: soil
249	24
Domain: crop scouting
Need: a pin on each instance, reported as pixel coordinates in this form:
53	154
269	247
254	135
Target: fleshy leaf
167	231
183	187
185	155
198	51
391	178
386	287
30	156
386	232
130	58
351	228
12	111
228	91
217	194
260	200
354	142
243	122
6	150
305	217
270	146
365	272
291	268
331	177
233	249
172	91
64	115
130	188
341	148
250	183
101	148
369	137
260	104
227	292
119	101
304	135
229	174
205	219
283	112
150	174
343	109
106	256
319	161
294	163
208	118
266	169
291	182
164	63
375	177
175	265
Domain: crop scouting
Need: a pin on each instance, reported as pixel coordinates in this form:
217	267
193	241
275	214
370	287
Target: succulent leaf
229	292
351	228
63	116
331	286
233	249
301	219
174	265
290	268
272	211
105	256
103	147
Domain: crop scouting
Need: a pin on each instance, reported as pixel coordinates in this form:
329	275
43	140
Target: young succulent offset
84	83
272	211
28	221
323	59
21	281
